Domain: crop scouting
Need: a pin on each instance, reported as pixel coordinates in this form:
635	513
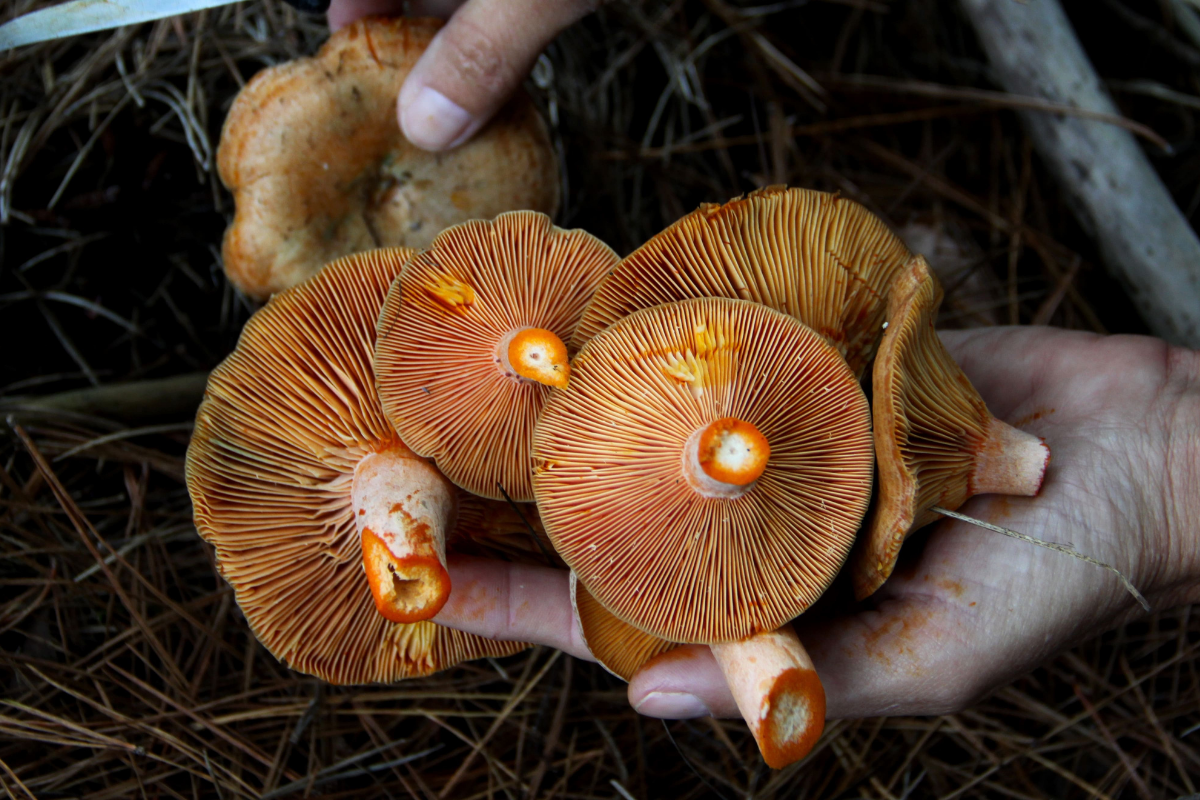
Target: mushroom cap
313	153
284	421
618	646
439	378
609	458
825	260
934	436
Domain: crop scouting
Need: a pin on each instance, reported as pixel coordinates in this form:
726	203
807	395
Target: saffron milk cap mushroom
824	260
704	474
331	531
471	338
936	443
706	468
313	153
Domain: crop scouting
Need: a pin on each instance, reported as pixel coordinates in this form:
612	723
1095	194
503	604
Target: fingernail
672	705
433	121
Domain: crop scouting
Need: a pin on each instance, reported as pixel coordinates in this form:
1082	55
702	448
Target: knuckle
478	59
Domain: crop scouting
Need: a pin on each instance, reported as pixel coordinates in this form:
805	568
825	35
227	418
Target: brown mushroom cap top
313	153
610	453
936	443
284	421
824	260
439	378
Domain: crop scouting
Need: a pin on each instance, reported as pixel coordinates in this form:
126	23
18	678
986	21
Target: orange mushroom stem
403	508
534	354
725	458
778	692
1010	461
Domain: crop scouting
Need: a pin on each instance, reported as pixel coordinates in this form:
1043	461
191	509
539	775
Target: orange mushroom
313	153
935	440
471	340
824	260
301	485
704	473
618	646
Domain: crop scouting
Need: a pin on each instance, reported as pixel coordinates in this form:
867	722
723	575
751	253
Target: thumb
475	63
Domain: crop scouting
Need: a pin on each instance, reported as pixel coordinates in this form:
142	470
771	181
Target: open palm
967	610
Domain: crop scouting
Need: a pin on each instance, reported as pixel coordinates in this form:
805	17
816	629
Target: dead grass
127	669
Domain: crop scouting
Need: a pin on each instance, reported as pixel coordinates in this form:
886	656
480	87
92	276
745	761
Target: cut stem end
535	354
403	508
725	458
405	590
778	692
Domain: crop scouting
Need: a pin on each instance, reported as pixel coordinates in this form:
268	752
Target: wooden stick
1117	196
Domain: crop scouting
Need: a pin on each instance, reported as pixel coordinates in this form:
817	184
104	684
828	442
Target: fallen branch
1115	193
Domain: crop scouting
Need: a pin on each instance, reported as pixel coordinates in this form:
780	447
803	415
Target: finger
474	64
512	602
342	12
681	684
908	657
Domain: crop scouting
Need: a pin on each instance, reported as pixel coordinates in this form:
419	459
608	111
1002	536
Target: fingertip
681	683
430	120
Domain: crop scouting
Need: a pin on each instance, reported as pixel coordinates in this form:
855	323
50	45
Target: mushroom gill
818	257
286	421
481	295
675	560
936	442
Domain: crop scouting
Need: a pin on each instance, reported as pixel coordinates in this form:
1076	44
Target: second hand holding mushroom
968	611
474	63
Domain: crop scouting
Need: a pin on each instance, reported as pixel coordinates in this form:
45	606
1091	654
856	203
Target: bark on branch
1143	238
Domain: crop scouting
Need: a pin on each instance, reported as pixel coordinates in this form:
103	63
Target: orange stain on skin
895	639
953	587
1001	507
1036	415
472	602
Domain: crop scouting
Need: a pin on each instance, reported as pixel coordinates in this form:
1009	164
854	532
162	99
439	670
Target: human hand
472	65
967	610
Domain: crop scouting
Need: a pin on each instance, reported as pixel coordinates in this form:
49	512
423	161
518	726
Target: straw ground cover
126	669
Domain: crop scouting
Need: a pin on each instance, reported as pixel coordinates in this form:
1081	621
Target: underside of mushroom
295	475
936	442
471	340
818	257
706	468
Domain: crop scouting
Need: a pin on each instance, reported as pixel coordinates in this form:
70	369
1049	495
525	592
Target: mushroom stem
1010	461
725	458
778	692
534	354
403	508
